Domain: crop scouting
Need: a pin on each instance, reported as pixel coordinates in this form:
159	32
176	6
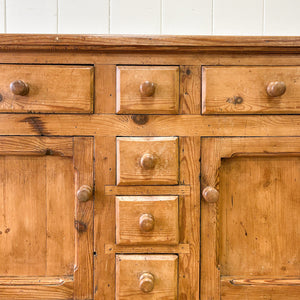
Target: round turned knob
210	194
146	222
276	88
84	193
148	161
147	89
146	282
19	87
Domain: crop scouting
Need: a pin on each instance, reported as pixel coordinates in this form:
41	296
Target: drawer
147	220
147	161
146	277
144	89
46	88
251	90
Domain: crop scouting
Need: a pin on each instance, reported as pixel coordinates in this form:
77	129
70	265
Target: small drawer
147	161
147	220
147	90
146	277
251	90
46	88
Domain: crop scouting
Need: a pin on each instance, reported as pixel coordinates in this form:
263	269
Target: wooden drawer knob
146	282
210	194
19	87
146	222
84	193
147	89
276	88
148	161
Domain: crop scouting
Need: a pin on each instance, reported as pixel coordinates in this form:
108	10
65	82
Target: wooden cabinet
149	168
250	232
46	232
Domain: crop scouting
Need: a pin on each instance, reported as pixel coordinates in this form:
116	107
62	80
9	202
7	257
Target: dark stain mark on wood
188	72
80	226
140	119
246	233
235	100
48	152
7	230
37	125
231	201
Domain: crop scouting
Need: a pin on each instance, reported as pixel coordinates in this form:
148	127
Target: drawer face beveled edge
248	90
147	161
142	220
147	89
131	268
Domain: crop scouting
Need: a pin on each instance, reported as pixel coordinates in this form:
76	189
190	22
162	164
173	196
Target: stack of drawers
145	161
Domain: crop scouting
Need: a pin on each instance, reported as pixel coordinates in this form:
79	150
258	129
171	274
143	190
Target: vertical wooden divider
83	152
105	169
189	210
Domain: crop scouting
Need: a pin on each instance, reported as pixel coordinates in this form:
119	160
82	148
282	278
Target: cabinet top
160	43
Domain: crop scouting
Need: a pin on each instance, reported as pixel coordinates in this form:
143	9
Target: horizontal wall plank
2	16
135	17
236	17
89	16
282	18
187	17
31	16
179	125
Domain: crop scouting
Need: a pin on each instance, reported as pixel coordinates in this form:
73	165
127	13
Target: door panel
250	237
43	250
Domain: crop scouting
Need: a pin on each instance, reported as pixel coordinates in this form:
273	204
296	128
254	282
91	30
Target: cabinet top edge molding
192	43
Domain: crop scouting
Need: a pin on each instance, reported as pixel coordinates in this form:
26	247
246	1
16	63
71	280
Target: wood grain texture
179	125
153	42
189	216
105	172
64	89
190	87
260	289
84	217
163	267
268	168
163	99
163	209
129	154
105	89
147	190
243	90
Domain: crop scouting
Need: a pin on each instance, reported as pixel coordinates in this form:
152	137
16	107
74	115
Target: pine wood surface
81	149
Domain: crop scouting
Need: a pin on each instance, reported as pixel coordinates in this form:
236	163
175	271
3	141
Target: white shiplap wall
201	17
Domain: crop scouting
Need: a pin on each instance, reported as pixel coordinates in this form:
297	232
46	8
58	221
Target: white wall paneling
187	17
238	17
88	16
2	16
135	16
31	16
282	17
201	17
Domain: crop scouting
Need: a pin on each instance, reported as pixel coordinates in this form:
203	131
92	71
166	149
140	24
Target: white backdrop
202	17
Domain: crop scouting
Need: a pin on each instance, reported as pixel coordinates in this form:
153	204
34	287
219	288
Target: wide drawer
147	220
146	277
147	89
251	90
46	88
147	161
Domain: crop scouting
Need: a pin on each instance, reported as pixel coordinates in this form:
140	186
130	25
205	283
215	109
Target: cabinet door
250	225
46	232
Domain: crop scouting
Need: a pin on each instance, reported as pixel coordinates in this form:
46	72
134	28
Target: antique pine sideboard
152	167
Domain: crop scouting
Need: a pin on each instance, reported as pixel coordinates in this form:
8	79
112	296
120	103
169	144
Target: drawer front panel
147	89
146	277
147	220
251	90
147	161
46	88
